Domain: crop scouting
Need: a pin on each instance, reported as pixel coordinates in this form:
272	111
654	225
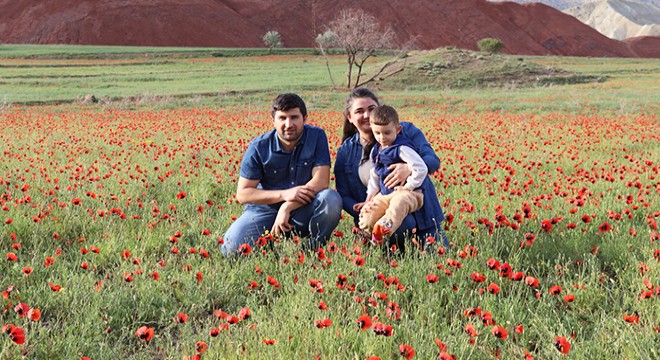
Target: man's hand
282	224
301	194
398	176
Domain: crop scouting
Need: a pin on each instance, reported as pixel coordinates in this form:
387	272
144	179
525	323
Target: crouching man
284	181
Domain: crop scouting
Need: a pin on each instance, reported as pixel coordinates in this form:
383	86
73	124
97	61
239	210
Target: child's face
385	134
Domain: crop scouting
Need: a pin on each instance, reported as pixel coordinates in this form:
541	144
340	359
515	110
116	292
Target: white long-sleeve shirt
416	165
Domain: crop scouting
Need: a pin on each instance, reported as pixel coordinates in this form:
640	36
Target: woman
353	165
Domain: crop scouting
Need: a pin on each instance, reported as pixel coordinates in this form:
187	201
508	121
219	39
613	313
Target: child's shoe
379	233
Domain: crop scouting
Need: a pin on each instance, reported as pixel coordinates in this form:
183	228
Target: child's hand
399	188
357	207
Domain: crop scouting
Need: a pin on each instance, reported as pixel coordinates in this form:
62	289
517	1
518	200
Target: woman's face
358	115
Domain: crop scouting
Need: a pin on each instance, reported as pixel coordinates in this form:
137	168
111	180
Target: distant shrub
272	40
490	45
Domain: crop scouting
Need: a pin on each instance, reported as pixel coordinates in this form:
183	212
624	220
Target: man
284	180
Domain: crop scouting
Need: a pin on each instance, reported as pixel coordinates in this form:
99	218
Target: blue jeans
316	220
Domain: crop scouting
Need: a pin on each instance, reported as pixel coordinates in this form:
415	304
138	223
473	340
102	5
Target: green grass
172	77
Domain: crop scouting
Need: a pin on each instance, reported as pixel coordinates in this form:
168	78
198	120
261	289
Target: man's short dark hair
288	101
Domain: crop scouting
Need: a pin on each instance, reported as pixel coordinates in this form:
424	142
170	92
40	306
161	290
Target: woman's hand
398	176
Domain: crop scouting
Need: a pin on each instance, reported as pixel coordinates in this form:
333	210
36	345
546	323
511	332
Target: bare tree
360	35
324	41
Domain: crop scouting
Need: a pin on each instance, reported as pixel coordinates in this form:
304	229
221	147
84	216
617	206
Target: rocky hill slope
533	29
620	19
566	4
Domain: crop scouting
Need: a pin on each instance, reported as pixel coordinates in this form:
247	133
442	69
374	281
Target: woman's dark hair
357	93
288	101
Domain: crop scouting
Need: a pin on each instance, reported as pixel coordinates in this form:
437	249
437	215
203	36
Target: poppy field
113	220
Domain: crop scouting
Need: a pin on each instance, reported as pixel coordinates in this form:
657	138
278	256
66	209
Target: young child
390	206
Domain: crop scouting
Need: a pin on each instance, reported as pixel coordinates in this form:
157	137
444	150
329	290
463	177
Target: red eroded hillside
533	29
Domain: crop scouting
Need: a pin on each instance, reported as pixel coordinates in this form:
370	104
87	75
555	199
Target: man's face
289	126
385	134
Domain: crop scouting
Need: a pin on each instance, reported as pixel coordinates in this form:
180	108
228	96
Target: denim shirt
276	168
352	190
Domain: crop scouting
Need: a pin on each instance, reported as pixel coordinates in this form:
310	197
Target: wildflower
16	334
499	332
244	313
406	351
555	290
493	289
145	333
364	322
562	344
605	227
181	318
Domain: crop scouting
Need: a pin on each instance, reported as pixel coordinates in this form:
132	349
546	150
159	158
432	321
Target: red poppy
499	332
393	310
27	271
359	261
383	329
633	319
555	290
493	289
245	249
605	227
11	256
181	195
477	277
145	333
519	329
271	280
364	322
34	314
532	282
493	264
562	344
181	318
21	309
268	341
244	313
406	351
16	334
470	330
546	225
54	287
49	261
201	347
517	276
431	278
441	345
446	356
322	305
232	319
505	270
